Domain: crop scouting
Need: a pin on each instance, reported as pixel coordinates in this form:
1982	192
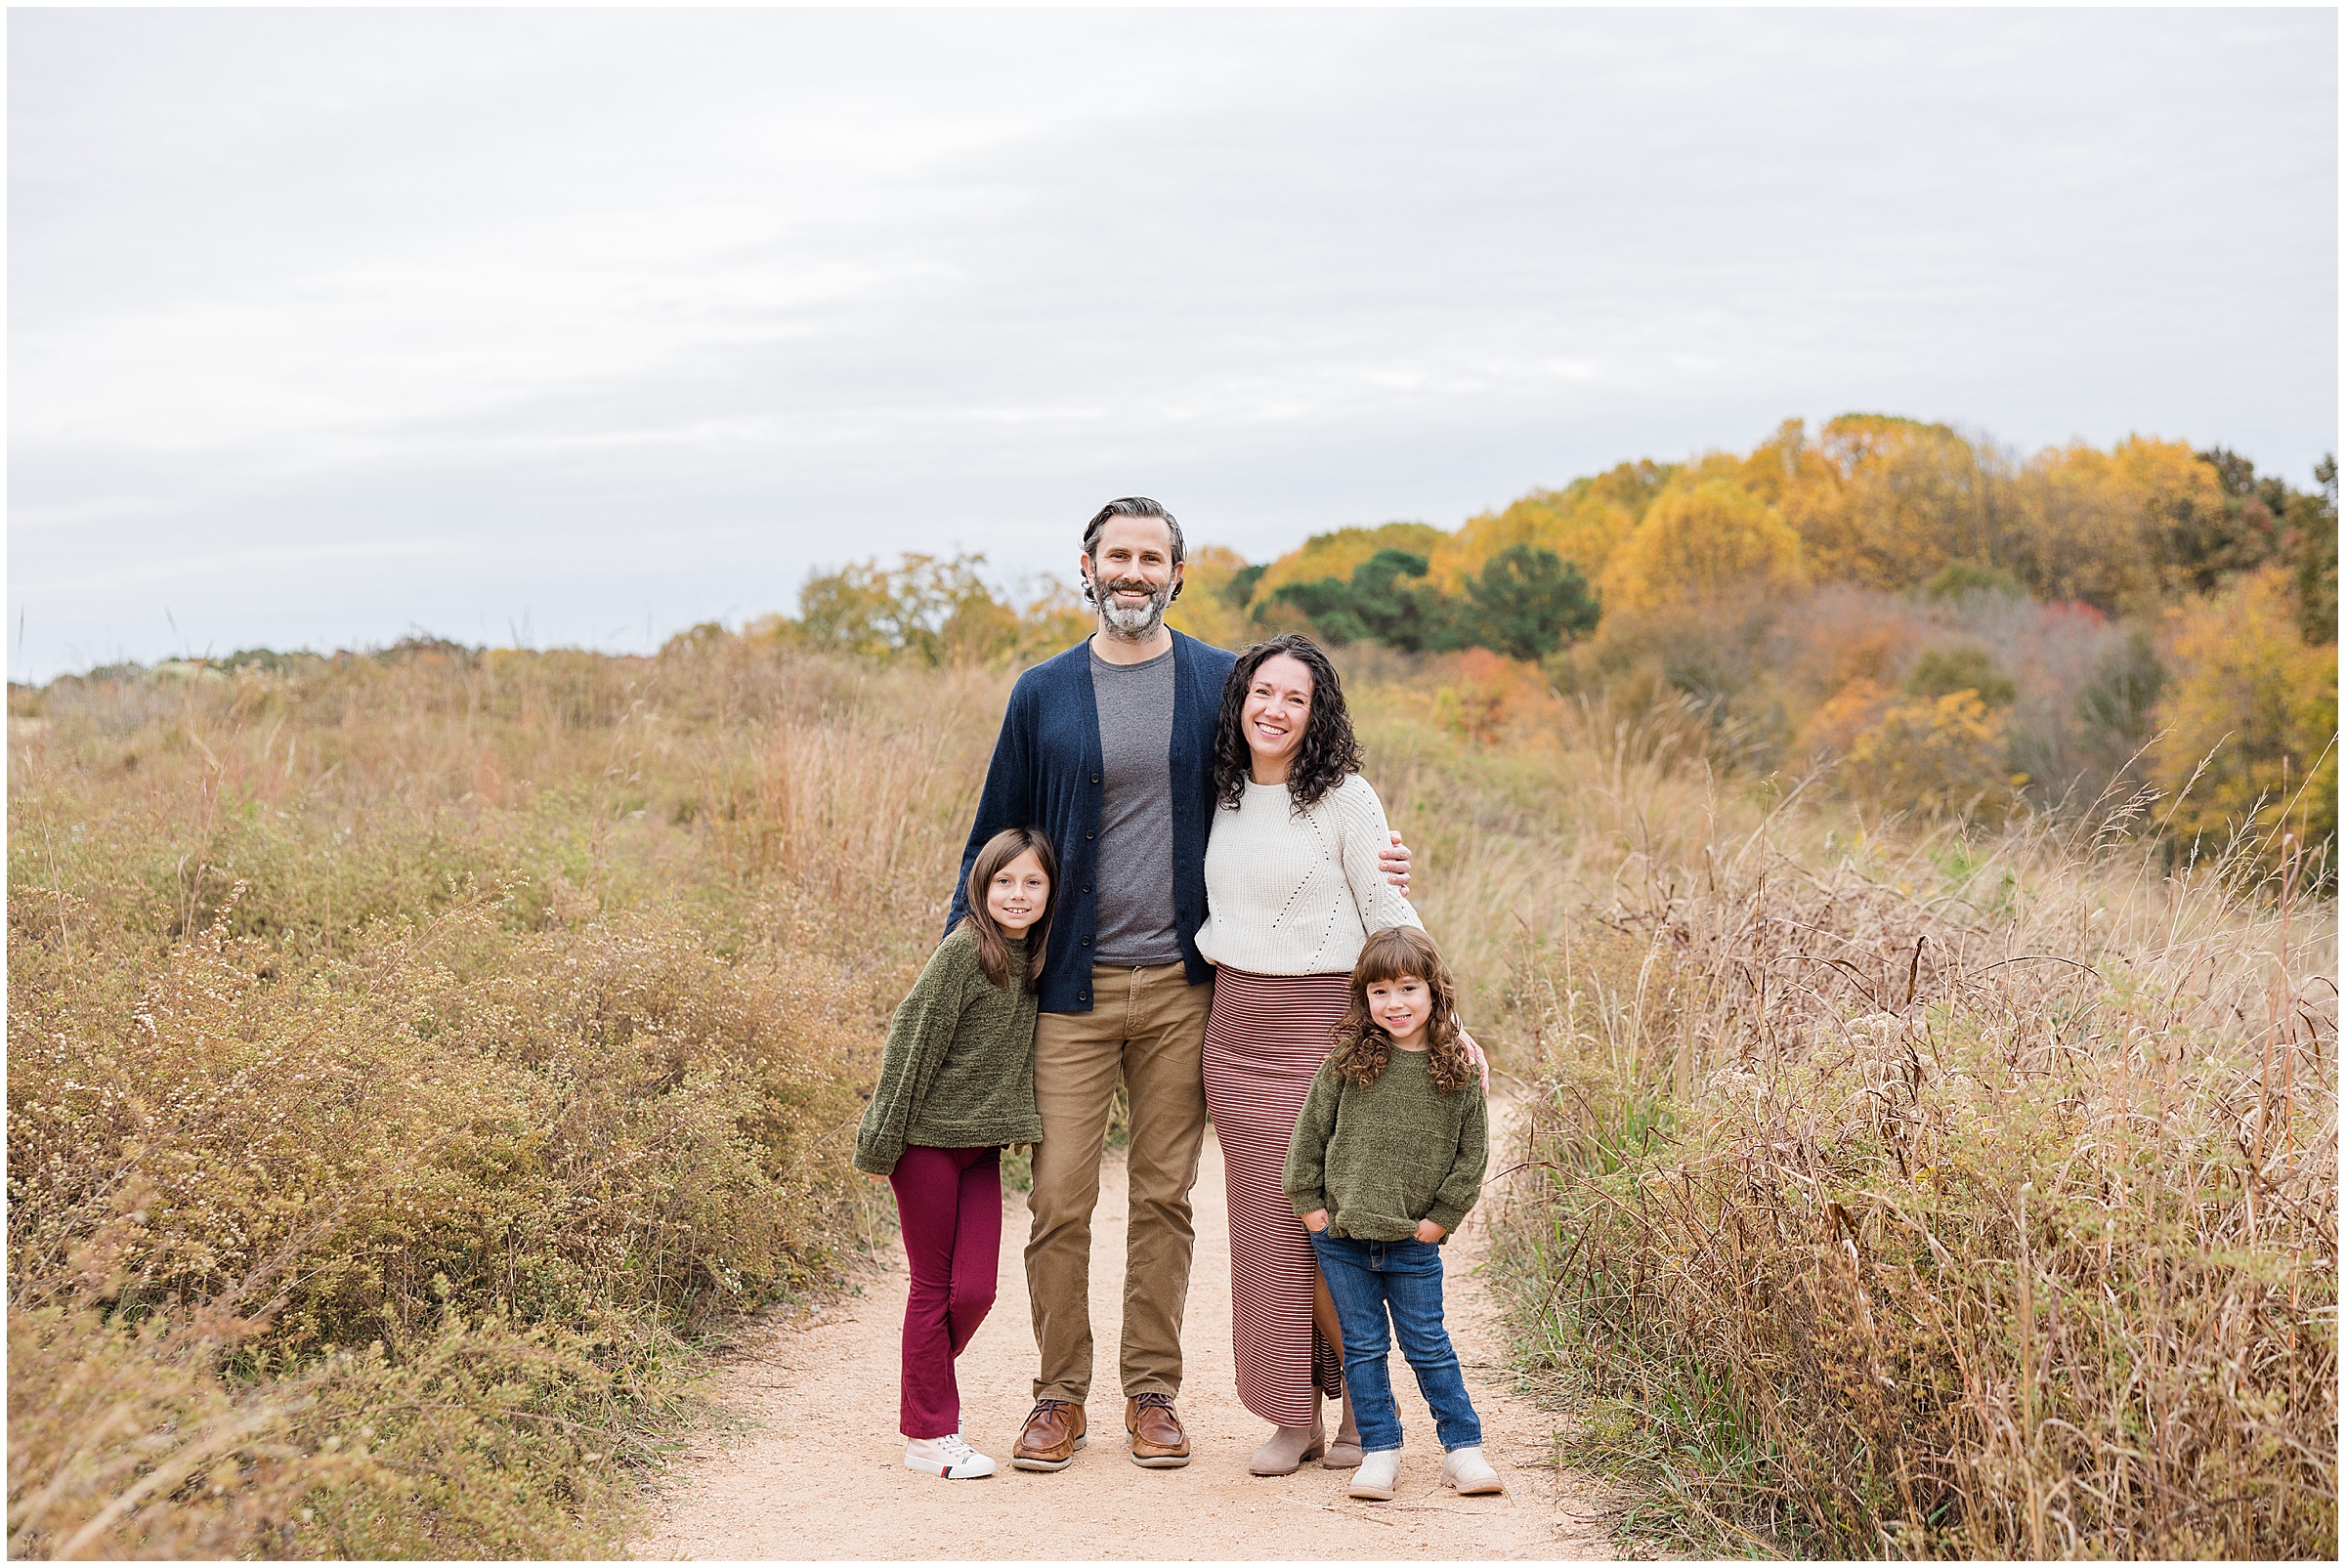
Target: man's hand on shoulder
1394	862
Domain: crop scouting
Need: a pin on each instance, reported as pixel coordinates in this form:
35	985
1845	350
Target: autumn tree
1700	544
1889	503
1216	583
2252	712
939	610
1579	528
2124	531
2309	541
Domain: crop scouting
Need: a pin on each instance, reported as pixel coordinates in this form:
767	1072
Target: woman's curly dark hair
1363	1050
1330	752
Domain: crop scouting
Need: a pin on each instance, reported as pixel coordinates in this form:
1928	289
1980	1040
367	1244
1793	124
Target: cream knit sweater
1297	893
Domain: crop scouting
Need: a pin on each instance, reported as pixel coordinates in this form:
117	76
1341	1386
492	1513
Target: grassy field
419	1061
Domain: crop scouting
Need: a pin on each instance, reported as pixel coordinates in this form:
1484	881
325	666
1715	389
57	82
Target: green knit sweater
959	1072
1381	1156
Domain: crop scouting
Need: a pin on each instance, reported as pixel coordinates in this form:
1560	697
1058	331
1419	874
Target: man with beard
1108	748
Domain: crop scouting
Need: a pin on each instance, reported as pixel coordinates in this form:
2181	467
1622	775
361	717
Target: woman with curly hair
1292	890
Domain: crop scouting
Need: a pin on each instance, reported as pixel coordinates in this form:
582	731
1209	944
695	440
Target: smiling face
1277	711
1133	575
1018	893
1402	1007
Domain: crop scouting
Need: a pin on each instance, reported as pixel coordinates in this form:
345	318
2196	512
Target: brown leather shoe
1157	1441
1053	1433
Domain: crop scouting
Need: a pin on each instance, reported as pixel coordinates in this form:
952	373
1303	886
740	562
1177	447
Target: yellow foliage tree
1699	544
2109	527
1889	502
1203	608
1946	755
1335	554
2258	708
1582	529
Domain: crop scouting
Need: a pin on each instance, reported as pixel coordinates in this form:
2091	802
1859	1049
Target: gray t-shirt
1136	920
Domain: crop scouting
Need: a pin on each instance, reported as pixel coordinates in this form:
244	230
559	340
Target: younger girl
956	1086
1386	1159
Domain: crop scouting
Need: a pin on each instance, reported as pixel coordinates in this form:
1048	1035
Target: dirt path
820	1474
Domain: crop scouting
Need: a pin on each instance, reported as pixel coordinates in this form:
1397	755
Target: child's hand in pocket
1429	1233
1315	1220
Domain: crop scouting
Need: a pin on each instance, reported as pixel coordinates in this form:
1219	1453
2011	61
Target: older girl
956	1086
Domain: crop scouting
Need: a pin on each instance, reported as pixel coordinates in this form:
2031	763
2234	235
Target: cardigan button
1087	942
1086	887
1090	836
1094	778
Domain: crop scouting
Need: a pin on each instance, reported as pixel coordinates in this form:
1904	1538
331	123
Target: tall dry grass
1931	1198
415	1061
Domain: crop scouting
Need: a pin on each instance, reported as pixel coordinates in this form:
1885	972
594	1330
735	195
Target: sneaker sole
1160	1461
1022	1462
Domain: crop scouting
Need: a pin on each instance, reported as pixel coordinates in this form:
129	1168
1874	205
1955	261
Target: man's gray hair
1132	506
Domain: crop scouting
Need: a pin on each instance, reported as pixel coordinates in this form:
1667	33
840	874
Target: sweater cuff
1447	1215
1307	1201
869	1160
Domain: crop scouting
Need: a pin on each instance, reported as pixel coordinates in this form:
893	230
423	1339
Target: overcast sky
583	327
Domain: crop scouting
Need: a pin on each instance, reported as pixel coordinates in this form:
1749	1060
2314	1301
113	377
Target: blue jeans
1365	1279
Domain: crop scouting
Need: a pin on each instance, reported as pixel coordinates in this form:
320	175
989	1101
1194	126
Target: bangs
1398	950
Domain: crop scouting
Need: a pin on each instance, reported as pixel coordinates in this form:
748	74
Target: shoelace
956	1448
1162	1400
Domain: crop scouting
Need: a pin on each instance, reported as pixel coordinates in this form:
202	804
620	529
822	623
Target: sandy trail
820	1474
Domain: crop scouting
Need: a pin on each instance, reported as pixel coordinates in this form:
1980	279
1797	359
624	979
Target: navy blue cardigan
1045	774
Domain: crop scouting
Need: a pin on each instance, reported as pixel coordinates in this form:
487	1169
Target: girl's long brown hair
1363	1049
993	943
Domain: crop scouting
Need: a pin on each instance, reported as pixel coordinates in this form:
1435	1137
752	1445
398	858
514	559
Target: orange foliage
1485	692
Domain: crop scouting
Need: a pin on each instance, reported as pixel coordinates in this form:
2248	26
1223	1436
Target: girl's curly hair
1330	752
1363	1049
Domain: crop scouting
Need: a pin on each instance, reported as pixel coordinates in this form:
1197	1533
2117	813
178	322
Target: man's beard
1133	622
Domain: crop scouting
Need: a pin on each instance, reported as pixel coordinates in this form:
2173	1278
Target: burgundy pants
949	1202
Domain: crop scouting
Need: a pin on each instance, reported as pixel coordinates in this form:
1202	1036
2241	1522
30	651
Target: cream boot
1344	1451
1374	1479
1288	1448
1464	1472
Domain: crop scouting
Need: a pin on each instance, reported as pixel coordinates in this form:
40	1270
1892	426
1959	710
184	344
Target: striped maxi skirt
1265	1038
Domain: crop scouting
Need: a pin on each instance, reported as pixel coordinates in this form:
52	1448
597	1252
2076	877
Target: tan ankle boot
1344	1454
1288	1448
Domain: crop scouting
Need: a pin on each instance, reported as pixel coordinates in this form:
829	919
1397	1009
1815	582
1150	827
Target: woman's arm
1363	837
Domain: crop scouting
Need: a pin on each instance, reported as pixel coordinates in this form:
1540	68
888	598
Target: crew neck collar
1097	662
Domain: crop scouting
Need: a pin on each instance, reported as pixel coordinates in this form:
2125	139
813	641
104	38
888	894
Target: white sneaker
1374	1479
1465	1472
948	1457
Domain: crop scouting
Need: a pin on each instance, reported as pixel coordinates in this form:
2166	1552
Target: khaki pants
1146	1027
